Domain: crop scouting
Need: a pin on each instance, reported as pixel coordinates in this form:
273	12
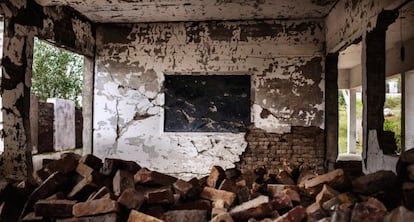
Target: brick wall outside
78	127
301	145
45	131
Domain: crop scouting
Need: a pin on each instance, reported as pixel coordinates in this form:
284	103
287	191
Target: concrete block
64	136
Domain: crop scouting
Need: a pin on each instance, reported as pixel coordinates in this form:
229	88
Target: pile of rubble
87	189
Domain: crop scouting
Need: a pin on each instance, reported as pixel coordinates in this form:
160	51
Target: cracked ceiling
133	11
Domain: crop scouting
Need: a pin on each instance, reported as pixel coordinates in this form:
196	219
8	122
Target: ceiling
132	11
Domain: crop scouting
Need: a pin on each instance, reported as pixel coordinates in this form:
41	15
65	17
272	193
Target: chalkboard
213	103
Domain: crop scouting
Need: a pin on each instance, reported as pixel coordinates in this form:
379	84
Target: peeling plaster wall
134	11
350	19
284	58
23	21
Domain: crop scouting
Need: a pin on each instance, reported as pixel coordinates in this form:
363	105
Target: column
409	110
351	118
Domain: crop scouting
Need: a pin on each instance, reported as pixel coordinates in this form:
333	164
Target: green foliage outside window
57	73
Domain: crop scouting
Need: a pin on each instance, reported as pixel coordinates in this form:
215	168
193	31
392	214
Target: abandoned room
197	110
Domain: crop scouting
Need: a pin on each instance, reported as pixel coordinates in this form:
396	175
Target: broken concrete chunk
95	207
122	181
160	196
54	208
315	212
229	185
136	216
243	195
222	217
91	161
4	185
257	208
111	166
281	201
408	194
326	194
342	213
293	195
214	195
194	205
371	210
64	165
47	188
400	214
57	196
145	176
84	170
410	170
101	193
109	217
217	211
216	176
31	217
83	189
285	178
374	182
131	199
295	215
343	198
186	190
185	216
335	179
232	174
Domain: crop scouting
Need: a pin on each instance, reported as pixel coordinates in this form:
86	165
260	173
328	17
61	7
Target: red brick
131	199
185	216
109	217
145	176
54	208
136	216
160	196
92	161
214	194
216	176
95	207
122	181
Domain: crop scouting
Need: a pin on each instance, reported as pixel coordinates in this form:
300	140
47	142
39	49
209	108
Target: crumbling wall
303	145
350	20
23	21
284	58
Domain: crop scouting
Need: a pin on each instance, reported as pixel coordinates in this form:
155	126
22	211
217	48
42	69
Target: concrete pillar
64	136
409	110
331	110
87	105
351	120
373	87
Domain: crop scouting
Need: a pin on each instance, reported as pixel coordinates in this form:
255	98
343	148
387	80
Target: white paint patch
272	124
376	160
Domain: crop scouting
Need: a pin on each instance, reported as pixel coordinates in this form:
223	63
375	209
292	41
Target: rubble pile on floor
87	189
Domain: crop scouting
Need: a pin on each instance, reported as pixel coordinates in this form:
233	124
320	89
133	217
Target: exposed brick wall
301	145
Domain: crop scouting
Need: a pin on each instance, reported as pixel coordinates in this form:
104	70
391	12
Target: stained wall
23	21
285	60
